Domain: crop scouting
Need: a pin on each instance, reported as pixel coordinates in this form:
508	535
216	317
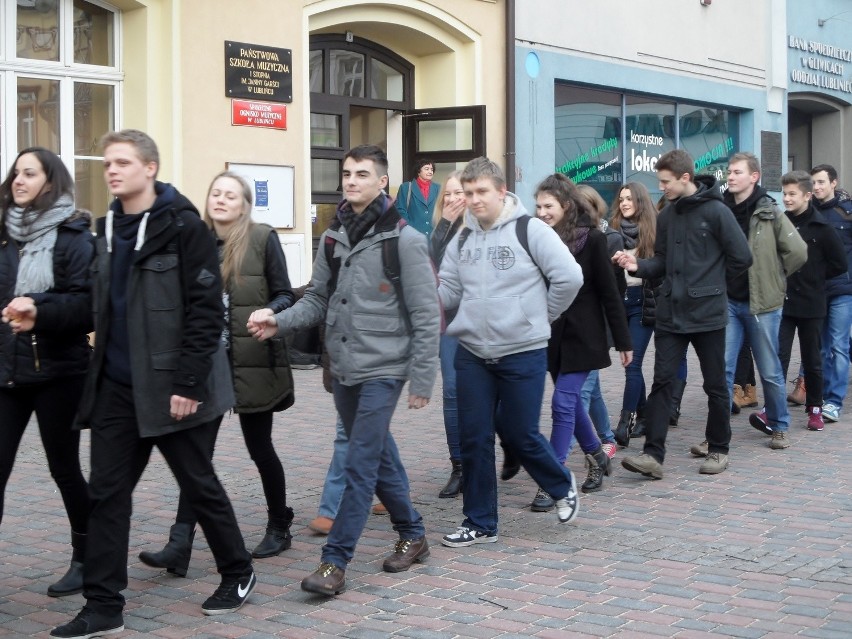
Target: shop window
604	138
647	137
589	137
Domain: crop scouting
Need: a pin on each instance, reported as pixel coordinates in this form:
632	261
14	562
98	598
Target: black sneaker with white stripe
230	595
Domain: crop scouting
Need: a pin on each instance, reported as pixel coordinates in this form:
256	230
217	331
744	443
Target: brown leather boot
749	396
798	394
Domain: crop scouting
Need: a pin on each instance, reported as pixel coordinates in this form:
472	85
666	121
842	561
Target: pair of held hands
20	314
262	325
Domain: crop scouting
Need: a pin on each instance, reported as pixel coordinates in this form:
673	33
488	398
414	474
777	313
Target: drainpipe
510	95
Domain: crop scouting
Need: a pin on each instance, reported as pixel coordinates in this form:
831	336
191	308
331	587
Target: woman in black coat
45	251
579	342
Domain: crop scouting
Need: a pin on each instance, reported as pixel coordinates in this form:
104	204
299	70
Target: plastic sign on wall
262	114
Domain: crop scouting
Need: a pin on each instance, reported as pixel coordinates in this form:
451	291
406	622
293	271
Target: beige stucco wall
174	88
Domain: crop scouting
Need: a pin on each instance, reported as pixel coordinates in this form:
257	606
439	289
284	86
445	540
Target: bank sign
816	66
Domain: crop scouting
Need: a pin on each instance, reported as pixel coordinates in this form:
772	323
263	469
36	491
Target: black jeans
118	456
810	346
54	404
257	433
669	351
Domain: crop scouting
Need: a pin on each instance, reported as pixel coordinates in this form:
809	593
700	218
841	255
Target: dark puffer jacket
58	345
263	380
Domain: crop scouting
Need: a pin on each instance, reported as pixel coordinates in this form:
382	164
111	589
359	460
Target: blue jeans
835	349
594	405
516	382
447	354
372	466
570	418
761	331
335	478
640	336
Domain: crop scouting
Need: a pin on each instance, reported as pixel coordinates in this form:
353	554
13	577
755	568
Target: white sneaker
568	507
830	413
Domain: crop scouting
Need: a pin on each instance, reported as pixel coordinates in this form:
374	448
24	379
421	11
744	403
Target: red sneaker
815	418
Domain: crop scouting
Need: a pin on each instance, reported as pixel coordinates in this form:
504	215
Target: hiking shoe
699	450
568	507
830	413
327	580
405	553
799	393
542	502
760	422
609	449
465	536
815	418
89	623
231	594
779	440
644	465
714	464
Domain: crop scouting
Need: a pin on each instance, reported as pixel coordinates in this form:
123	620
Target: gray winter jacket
366	335
504	304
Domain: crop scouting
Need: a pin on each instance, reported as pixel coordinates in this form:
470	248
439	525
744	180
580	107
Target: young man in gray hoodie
507	294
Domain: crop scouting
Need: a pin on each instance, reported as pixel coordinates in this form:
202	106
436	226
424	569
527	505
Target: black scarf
357	225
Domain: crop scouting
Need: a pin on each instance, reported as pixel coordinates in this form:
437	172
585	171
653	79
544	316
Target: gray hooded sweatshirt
504	305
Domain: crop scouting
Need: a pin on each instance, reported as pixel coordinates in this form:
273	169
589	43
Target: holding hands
261	324
625	261
20	314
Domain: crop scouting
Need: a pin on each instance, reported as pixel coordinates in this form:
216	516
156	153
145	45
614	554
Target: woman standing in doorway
254	275
46	247
416	199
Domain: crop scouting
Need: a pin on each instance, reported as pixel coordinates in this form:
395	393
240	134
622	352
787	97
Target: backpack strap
521	232
333	262
393	270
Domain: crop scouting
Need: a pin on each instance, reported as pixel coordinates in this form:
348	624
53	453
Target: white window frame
65	70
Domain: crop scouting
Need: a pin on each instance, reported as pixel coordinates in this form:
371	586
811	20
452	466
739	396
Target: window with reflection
37	30
93	34
325	130
649	132
711	136
346	73
386	83
588	137
69	78
592	146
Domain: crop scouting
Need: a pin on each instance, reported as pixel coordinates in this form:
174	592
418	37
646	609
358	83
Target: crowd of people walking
149	330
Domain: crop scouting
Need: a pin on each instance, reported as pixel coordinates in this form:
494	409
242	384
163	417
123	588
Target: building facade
277	90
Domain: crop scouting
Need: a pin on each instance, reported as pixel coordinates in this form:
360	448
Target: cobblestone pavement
762	550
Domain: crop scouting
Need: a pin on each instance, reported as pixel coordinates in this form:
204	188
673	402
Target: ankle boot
454	483
599	465
639	425
678	387
277	538
174	556
624	428
72	582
